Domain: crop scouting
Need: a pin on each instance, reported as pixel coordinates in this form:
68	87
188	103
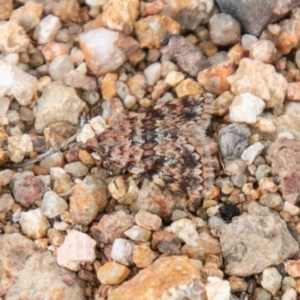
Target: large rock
256	240
255	15
28	273
165	278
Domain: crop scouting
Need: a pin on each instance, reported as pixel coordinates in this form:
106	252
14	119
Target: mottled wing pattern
166	144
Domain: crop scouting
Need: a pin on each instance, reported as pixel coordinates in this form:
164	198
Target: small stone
27	188
78	248
173	273
137	85
153	8
229	211
262	171
148	220
265	125
290	294
106	50
60	66
137	233
217	288
222	103
271	280
88	198
53	205
159	89
293	91
14	82
54	160
214	79
6	203
272	200
53	49
6	8
233	140
66	10
117	187
112	273
18	147
236	53
153	73
166	243
28	15
224	30
292	267
290	208
267	184
76	169
259	79
245	108
130	101
34	224
112	226
108	86
121	251
237	284
167	67
142	256
251	152
46	30
50	110
251	251
174	78
188	56
154	31
188	87
120	16
289	36
263	50
122	89
13	38
189	235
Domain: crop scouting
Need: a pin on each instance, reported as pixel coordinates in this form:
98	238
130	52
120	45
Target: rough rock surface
256	240
32	274
185	282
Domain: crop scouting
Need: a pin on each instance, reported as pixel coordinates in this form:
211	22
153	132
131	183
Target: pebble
122	251
251	152
6	203
217	288
245	108
59	66
112	226
153	73
108	85
174	78
105	50
148	220
28	16
224	30
263	50
188	56
6	8
290	294
139	234
188	87
290	208
142	256
34	224
49	110
76	169
153	30
259	79
272	200
233	140
18	147
271	280
77	248
17	83
112	273
46	30
262	171
237	284
137	85
248	40
292	267
249	252
172	273
53	205
120	16
27	188
88	198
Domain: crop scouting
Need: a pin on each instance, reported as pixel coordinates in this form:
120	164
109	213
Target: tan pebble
85	157
108	86
208	48
267	183
143	256
253	195
247	188
112	273
42	243
188	87
213	193
285	216
208	203
117	187
236	53
237	284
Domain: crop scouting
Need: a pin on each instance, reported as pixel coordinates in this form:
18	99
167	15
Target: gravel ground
149	150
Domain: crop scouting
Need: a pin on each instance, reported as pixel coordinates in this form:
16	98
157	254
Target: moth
166	144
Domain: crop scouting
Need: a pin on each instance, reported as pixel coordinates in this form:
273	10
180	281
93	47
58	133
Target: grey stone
255	15
256	240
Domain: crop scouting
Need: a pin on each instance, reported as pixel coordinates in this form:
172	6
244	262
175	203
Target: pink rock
106	50
147	220
77	248
292	267
153	8
53	49
293	91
